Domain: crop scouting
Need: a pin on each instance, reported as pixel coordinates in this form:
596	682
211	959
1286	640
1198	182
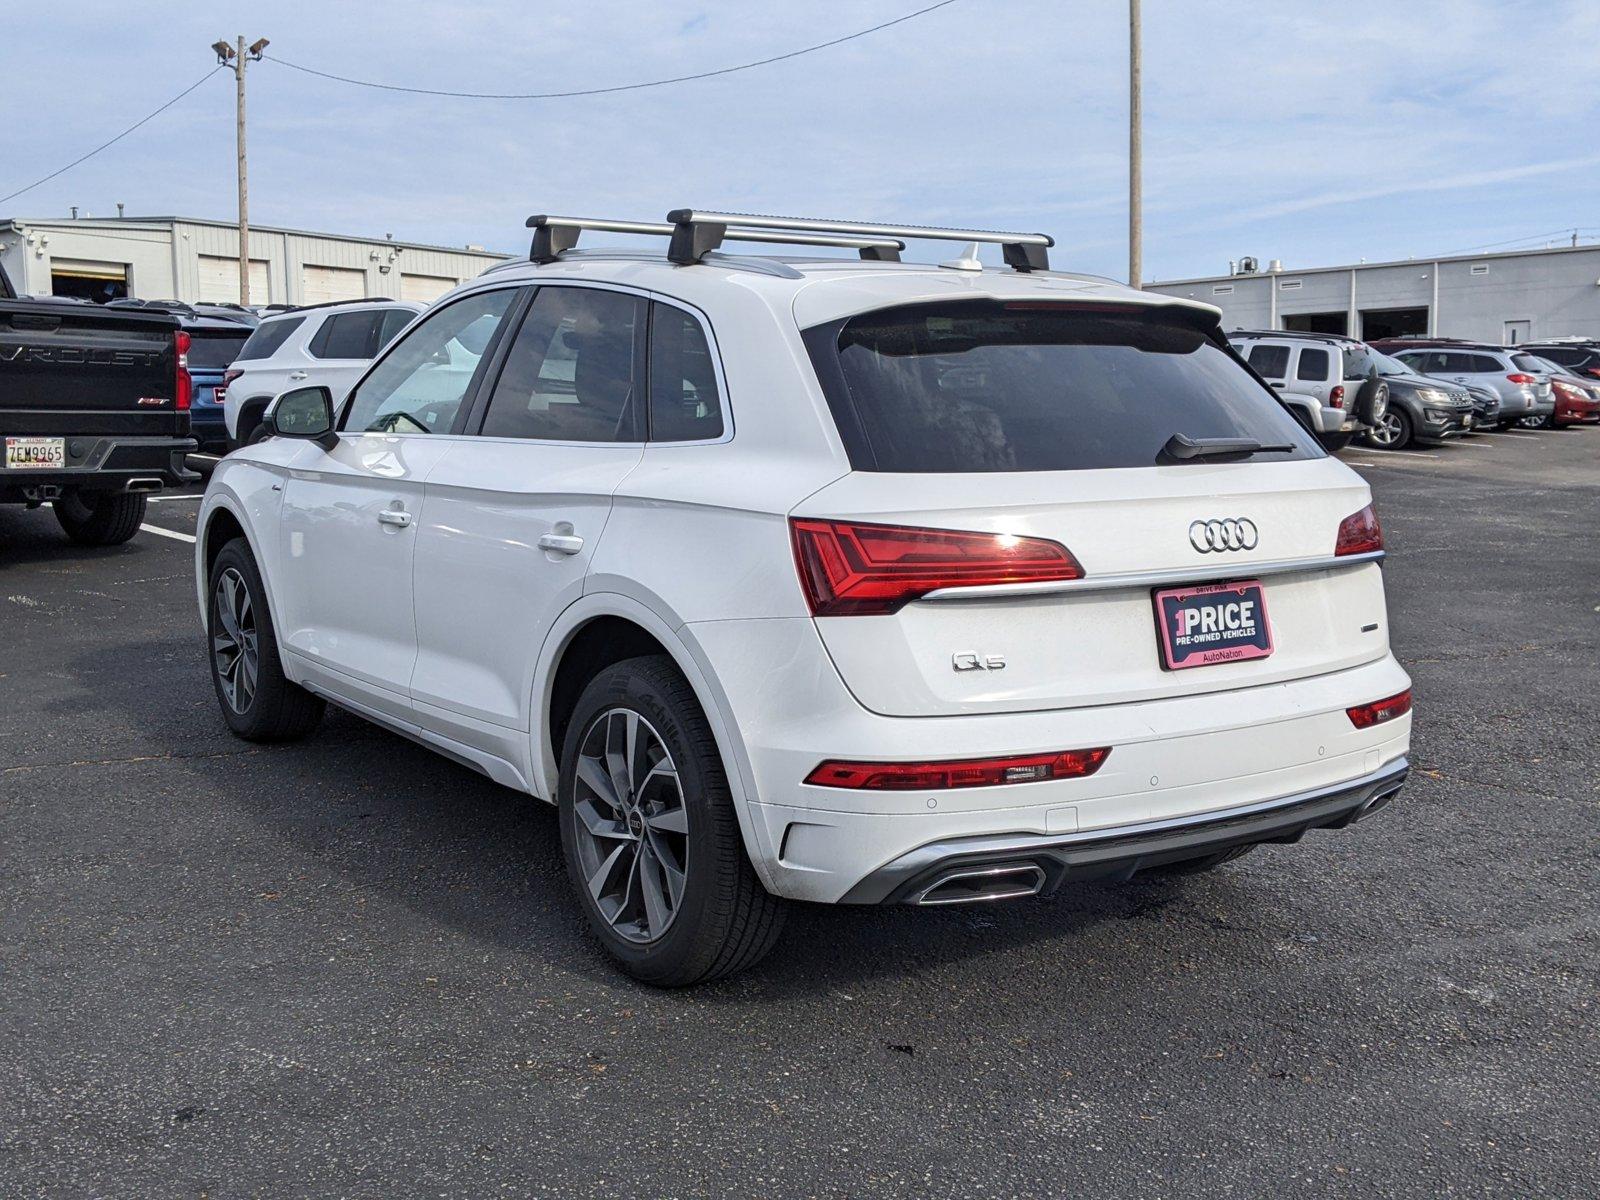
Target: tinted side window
1528	362
1482	364
685	405
348	335
1270	361
1313	365
394	320
419	387
269	335
572	374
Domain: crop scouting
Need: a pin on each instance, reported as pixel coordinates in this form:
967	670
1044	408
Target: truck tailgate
81	369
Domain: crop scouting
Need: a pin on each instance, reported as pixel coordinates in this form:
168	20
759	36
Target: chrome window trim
1200	573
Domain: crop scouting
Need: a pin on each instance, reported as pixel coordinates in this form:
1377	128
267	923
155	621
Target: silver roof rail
696	233
554	235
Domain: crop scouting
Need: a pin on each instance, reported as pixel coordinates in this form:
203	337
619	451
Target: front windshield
1391	366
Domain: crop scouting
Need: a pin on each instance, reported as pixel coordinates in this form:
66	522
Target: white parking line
1534	437
170	499
169	533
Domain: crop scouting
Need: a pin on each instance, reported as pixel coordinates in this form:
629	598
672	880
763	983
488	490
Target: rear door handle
397	517
561	543
297	375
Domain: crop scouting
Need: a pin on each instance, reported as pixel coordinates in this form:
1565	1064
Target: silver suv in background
320	345
1516	376
1319	375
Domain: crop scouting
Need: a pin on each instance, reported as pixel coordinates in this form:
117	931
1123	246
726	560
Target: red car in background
1577	398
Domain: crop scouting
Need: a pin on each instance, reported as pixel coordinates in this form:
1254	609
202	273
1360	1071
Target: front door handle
561	543
297	375
396	517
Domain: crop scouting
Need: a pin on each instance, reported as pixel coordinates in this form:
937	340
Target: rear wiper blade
1182	447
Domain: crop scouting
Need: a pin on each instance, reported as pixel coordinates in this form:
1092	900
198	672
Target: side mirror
305	413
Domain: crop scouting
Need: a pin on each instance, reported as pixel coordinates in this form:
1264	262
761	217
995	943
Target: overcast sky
1312	132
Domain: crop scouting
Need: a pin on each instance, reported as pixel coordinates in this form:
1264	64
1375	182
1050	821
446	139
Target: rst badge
1217	623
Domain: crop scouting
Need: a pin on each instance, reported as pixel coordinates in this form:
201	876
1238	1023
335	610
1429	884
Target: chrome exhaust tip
143	484
977	884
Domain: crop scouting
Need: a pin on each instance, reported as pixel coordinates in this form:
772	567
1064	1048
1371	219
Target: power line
622	87
115	140
1532	237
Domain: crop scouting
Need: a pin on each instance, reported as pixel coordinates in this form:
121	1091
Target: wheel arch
221	521
605	627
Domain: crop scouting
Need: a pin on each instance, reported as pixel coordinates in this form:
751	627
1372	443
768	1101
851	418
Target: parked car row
1396	392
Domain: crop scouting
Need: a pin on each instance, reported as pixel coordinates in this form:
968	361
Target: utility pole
235	59
1135	150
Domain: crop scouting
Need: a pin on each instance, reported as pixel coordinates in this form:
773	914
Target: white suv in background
844	581
321	344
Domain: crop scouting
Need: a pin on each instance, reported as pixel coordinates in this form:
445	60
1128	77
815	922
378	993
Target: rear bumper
1119	853
1182	760
106	464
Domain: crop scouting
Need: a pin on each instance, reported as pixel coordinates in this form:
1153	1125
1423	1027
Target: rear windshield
208	352
1527	362
269	335
983	386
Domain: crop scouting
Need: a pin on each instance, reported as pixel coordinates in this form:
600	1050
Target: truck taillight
1336	397
182	384
1359	533
851	569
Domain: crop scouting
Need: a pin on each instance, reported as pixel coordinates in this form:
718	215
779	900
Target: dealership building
197	261
1504	298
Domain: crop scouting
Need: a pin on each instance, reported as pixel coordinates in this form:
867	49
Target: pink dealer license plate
1217	623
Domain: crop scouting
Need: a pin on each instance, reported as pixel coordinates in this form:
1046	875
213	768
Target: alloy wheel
1387	431
235	655
631	825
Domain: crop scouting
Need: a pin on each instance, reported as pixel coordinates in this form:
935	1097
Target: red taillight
1365	716
849	569
1336	397
1520	378
182	385
1359	533
959	773
1595	371
228	377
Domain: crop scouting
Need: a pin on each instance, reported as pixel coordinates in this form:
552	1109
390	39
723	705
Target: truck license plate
35	453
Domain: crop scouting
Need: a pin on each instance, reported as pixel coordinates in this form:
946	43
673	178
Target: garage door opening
1393	322
95	281
219	280
424	289
320	285
1322	322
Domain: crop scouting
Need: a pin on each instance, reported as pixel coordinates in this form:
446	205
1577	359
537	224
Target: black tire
1395	433
1372	399
276	709
1335	442
723	920
1511	424
100	519
259	434
1196	866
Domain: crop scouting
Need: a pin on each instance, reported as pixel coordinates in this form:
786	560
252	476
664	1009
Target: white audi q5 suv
813	578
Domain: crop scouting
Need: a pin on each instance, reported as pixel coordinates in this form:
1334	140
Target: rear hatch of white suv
1056	504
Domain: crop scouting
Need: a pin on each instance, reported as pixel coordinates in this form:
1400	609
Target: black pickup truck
94	411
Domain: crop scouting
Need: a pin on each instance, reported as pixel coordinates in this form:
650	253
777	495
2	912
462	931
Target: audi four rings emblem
1214	537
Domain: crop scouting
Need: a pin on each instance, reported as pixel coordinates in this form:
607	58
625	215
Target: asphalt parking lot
349	967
